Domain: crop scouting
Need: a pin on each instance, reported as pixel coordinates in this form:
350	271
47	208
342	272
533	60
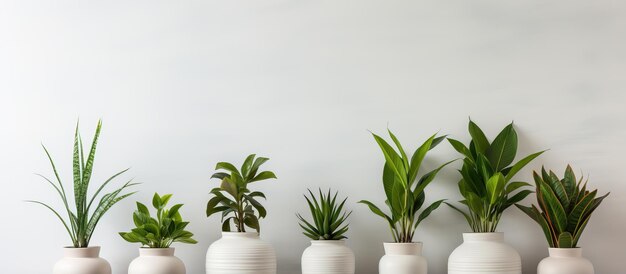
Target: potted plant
488	190
80	258
564	209
156	235
328	253
405	197
239	250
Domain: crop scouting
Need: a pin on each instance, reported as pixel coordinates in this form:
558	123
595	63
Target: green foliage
486	177
233	198
566	206
405	197
328	217
167	228
82	222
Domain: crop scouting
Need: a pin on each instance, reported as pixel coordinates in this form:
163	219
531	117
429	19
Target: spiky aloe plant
566	206
81	223
328	217
405	196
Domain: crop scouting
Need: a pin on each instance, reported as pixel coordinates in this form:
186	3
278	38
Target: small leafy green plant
486	176
566	206
81	222
328	217
167	228
233	198
405	197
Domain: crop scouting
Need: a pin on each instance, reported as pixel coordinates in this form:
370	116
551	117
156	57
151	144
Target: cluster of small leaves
486	177
82	222
566	206
233	198
404	196
328	217
167	228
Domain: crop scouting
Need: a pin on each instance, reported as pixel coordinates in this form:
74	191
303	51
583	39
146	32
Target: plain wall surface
182	85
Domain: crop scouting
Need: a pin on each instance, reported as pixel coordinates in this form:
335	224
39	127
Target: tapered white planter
82	261
403	258
565	261
484	253
156	261
328	257
240	253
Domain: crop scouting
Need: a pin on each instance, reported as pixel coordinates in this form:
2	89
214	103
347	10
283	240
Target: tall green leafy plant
168	227
328	217
486	177
233	198
405	196
565	207
81	222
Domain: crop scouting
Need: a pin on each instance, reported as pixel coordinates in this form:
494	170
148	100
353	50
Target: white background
184	84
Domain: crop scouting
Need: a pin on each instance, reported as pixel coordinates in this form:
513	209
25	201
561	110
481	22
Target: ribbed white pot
328	257
82	261
156	261
403	258
484	253
565	261
240	253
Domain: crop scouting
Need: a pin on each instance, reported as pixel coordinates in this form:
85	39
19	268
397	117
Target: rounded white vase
565	261
240	253
484	253
82	261
156	261
403	258
328	257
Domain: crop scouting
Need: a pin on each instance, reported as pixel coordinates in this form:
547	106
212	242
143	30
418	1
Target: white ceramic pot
565	261
484	253
240	253
82	261
328	257
156	261
403	258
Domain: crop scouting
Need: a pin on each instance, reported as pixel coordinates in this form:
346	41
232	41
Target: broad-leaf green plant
233	199
81	222
405	196
328	215
565	207
160	232
486	182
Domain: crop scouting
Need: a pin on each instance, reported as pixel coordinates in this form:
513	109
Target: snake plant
566	206
167	228
81	223
486	177
405	197
234	198
328	217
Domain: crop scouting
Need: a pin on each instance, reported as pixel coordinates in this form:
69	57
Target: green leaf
460	147
495	186
565	240
392	159
534	213
165	199
478	137
521	164
426	212
377	211
418	157
264	176
405	159
502	151
514	186
556	212
247	165
227	166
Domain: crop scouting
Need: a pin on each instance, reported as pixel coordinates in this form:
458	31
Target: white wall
184	84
